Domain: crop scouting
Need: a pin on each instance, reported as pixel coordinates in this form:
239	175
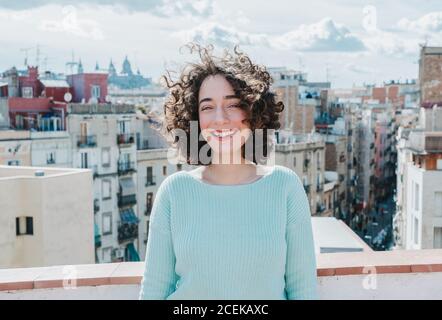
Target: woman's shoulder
175	177
285	172
287	176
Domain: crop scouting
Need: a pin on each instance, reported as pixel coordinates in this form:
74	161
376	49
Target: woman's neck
230	173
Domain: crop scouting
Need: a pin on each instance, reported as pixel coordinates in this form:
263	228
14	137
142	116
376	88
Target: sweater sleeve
300	271
159	278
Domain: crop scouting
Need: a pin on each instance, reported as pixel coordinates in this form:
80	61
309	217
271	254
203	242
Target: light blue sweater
230	242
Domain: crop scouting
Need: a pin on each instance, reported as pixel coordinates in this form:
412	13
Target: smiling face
221	117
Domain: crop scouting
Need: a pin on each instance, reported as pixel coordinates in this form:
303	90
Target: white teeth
223	133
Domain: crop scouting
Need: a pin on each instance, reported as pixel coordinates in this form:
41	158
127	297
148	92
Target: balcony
151	181
128	226
87	141
126	167
125	138
426	142
96	205
128	200
377	275
127	232
97	236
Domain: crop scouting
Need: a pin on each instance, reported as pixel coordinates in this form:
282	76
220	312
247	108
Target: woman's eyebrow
225	97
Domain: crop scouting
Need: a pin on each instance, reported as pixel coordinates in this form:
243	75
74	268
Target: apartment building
305	155
430	77
46	217
103	140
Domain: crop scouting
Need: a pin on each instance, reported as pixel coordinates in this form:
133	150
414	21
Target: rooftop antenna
37	55
71	64
26	50
45	63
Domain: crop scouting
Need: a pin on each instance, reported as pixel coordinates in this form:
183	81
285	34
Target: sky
343	41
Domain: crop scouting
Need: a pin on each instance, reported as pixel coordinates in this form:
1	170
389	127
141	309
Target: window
19	123
84	129
437	238
106	127
13	162
149	202
95	92
179	167
416	196
164	170
24	226
306	164
294	162
438	204
83	160
106	189
50	157
107	223
107	254
342	157
416	230
123	127
27	92
105	157
150	181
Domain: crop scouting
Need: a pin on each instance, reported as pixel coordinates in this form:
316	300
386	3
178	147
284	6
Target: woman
228	229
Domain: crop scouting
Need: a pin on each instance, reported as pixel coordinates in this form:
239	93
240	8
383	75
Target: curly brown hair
250	82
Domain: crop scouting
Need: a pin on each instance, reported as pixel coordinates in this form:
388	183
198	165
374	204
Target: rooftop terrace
411	274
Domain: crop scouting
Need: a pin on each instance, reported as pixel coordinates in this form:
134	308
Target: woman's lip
221	131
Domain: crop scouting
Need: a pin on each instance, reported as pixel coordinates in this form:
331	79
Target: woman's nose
220	116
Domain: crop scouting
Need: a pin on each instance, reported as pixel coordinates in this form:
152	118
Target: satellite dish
108	98
68	97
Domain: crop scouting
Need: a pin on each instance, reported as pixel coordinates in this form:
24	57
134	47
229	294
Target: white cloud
71	24
431	22
189	8
389	43
325	35
165	8
219	34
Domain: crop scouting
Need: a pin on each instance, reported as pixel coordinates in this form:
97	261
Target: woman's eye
205	108
233	106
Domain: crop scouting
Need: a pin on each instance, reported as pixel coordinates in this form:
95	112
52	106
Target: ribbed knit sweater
230	242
